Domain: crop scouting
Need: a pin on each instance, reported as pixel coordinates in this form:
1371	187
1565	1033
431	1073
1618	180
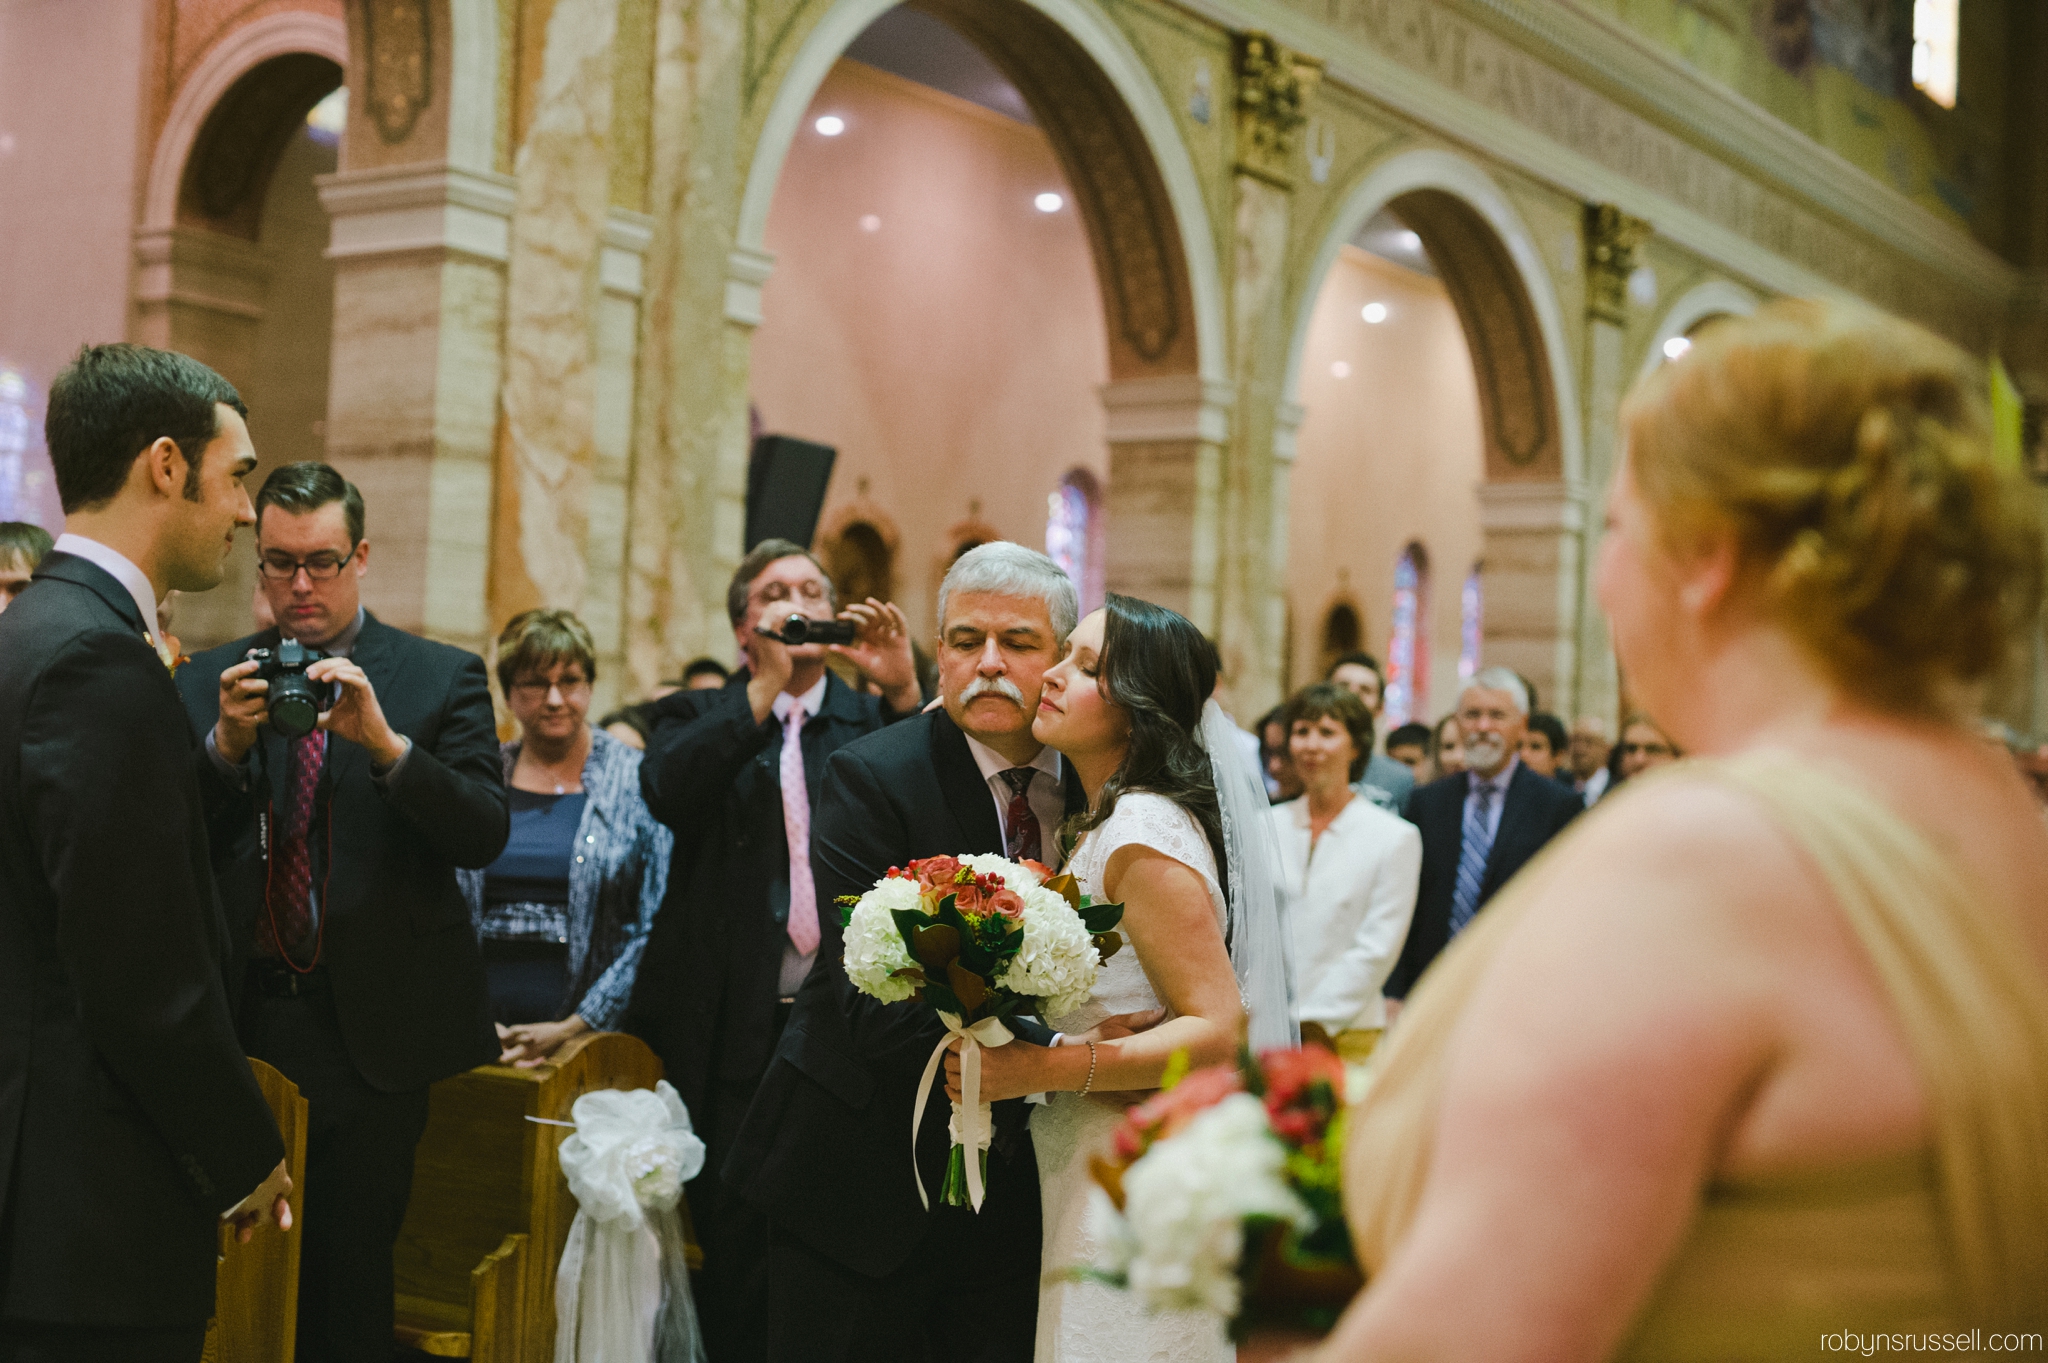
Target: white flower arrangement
875	951
1058	961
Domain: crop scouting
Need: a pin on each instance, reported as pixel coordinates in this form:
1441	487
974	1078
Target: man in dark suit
130	1124
337	854
735	772
1479	826
859	1268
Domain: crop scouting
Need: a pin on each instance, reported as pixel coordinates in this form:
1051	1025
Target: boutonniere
167	650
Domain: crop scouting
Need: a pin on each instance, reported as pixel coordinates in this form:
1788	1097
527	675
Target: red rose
1008	903
966	898
1164	1114
936	873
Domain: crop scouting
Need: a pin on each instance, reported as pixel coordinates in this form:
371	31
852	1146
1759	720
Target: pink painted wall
1388	454
70	113
953	354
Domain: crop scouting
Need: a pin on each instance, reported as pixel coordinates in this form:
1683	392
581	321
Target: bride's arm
1170	922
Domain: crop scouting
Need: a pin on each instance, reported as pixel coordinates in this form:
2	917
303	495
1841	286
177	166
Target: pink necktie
796	826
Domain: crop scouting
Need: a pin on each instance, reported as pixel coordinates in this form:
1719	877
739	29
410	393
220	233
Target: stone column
1534	574
1274	86
1612	239
419	303
1166	440
202	293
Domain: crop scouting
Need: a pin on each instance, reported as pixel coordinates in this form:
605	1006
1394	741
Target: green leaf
942	998
1100	918
909	922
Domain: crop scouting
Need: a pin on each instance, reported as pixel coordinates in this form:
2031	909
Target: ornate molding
1177	407
418	208
398	78
1557	508
746	270
1273	90
1612	239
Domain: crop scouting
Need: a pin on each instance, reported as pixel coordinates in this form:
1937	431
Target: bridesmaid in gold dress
1759	1052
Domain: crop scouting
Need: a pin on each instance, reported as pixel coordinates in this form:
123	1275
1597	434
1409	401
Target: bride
1129	707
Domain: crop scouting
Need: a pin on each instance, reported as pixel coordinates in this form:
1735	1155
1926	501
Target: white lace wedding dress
1087	1322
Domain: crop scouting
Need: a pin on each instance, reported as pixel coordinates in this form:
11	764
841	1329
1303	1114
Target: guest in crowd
1350	869
1591	751
130	1123
22	546
734	772
1409	745
1385	782
1643	746
563	913
632	724
1282	781
337	854
1479	826
1763	1055
1545	745
701	674
1447	747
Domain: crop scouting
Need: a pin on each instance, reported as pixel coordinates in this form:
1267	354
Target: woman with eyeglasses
1643	746
563	913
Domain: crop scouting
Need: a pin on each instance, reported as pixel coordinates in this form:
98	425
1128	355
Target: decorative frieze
1273	90
398	77
1612	239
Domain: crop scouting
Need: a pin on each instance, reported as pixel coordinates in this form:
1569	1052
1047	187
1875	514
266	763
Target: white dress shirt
1350	899
1047	796
123	571
1497	802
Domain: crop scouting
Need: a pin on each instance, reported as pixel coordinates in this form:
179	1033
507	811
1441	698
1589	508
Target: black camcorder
798	628
295	703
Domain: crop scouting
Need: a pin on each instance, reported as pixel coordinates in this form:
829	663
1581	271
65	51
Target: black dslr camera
799	628
295	703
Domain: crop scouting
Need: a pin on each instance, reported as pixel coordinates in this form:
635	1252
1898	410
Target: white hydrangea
874	948
1186	1200
1057	962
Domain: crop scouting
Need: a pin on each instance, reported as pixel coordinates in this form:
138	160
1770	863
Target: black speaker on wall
786	480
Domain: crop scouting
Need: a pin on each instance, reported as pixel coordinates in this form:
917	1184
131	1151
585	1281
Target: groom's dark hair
1159	670
115	401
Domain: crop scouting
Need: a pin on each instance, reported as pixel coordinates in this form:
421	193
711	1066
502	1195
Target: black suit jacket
400	952
1535	811
822	1150
706	992
129	1119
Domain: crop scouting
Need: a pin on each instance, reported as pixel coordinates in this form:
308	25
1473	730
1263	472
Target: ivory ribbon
971	1126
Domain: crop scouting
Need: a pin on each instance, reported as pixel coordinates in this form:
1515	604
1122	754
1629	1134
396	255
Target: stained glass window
1408	649
18	438
1470	606
1073	534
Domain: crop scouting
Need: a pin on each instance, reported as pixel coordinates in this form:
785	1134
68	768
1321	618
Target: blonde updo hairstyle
1851	453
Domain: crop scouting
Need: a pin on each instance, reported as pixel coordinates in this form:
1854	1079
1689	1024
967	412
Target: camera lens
294	711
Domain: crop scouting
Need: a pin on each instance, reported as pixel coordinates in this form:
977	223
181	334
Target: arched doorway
232	255
1432	365
1078	174
1693	309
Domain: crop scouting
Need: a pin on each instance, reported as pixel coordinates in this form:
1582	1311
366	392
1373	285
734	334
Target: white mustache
1485	748
992	686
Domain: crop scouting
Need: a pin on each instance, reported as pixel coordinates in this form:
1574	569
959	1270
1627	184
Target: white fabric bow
971	1127
622	1294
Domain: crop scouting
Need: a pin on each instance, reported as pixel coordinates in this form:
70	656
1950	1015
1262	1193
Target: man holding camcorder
734	772
349	768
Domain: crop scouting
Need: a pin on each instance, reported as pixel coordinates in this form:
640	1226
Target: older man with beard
1479	826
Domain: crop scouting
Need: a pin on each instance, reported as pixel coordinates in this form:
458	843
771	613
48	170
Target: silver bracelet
1091	1070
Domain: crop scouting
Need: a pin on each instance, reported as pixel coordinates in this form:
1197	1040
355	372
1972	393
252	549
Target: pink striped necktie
796	826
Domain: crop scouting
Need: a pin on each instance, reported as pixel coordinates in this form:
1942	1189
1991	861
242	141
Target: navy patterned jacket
615	886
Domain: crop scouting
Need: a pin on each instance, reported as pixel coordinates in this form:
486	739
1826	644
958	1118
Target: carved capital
1612	238
398	78
1273	90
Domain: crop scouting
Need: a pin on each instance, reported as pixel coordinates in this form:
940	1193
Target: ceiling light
1409	241
1374	313
1049	202
870	223
1676	347
1341	370
831	125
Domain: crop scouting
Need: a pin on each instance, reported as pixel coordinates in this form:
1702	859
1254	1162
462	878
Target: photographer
336	852
735	772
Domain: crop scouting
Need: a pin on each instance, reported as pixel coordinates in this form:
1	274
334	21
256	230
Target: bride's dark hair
1158	669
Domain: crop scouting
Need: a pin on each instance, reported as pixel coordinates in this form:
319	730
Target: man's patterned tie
1473	849
1023	838
291	886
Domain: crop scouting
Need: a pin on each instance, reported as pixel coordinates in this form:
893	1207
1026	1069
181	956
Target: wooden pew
490	1210
256	1299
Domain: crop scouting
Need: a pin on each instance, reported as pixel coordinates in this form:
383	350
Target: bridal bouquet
978	939
1224	1194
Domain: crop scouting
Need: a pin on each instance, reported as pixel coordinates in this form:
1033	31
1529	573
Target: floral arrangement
978	939
1224	1193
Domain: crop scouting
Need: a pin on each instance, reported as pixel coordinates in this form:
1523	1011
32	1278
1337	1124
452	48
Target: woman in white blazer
1351	871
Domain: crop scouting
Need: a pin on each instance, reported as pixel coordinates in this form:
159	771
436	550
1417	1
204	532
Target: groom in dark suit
1479	826
130	1124
859	1269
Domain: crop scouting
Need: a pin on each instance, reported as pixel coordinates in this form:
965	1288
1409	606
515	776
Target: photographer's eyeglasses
811	589
319	567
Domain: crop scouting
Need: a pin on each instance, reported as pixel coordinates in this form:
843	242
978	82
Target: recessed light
1676	347
870	223
1049	202
1409	241
1340	370
831	125
1374	313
